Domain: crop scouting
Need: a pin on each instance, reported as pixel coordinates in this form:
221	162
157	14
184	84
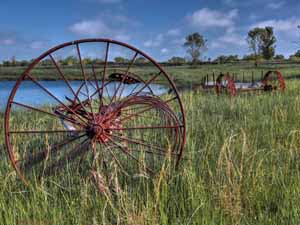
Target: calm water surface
29	93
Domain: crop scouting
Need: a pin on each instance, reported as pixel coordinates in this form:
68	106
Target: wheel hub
104	123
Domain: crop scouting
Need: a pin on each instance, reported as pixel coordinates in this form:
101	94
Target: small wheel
126	117
225	82
273	80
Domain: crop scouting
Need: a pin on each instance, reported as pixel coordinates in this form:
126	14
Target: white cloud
287	25
212	18
122	37
7	41
174	32
154	42
37	44
178	41
98	28
229	38
90	27
164	51
275	5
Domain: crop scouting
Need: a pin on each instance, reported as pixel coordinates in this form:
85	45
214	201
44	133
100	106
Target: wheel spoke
123	79
48	113
96	81
147	83
65	79
126	75
80	149
49	93
44	131
34	159
104	74
85	80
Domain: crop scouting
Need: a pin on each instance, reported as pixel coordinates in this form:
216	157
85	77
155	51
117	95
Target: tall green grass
241	166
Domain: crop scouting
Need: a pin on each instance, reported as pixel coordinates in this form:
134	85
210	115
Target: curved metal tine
160	150
36	158
137	115
146	128
126	74
85	81
79	149
135	108
64	117
125	151
147	109
65	79
54	97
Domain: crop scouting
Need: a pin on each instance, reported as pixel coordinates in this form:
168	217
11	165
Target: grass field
185	77
241	166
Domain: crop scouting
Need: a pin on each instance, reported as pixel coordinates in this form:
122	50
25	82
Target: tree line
261	42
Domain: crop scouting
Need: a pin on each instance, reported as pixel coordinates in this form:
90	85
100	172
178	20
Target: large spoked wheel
109	106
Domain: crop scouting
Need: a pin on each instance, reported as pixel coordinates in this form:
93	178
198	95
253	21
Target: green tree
69	61
255	43
177	60
297	54
279	57
196	45
221	59
140	60
262	42
120	59
268	40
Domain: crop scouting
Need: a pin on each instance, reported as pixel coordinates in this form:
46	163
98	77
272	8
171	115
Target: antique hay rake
113	119
225	83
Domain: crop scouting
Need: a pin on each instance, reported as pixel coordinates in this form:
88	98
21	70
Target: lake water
29	93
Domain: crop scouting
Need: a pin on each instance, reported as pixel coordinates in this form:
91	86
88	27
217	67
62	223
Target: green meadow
241	165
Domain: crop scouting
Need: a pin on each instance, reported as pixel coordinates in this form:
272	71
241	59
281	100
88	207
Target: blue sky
28	28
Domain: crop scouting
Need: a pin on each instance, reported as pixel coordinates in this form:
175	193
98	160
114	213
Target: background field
185	76
241	166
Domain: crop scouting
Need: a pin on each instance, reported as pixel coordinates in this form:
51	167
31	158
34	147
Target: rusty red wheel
225	82
125	116
273	80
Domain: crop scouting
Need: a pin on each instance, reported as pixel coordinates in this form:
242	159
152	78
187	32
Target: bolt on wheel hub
103	124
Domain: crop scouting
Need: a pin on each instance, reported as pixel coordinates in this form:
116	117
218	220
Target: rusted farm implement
131	132
225	83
